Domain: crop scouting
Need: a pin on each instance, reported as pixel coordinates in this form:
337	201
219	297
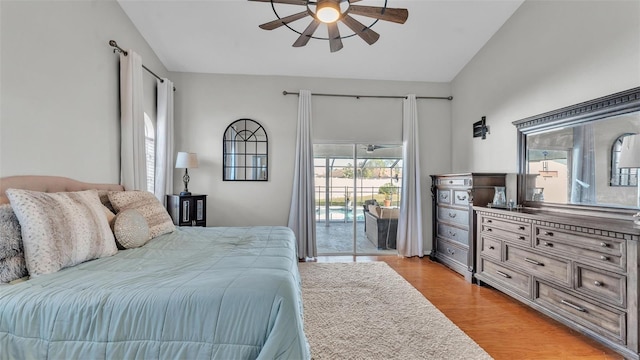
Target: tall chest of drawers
453	221
582	272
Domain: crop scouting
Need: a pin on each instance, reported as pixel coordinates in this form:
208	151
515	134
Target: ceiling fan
372	147
331	12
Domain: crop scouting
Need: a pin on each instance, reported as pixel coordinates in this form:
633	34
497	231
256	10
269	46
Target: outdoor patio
337	239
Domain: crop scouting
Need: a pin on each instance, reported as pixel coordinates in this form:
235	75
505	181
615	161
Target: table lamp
186	161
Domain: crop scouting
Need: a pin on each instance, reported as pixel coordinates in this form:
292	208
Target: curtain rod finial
113	43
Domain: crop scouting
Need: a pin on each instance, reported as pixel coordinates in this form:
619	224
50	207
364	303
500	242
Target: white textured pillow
61	229
148	205
130	229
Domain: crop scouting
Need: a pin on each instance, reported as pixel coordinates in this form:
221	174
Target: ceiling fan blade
357	27
304	38
290	2
335	43
285	20
394	15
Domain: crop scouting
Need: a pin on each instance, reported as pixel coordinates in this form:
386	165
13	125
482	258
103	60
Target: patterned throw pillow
61	229
12	268
130	229
148	205
12	265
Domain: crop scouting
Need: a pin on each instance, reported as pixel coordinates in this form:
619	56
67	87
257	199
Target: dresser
579	270
453	221
188	210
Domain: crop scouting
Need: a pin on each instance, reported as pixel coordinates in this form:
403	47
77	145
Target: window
150	151
621	177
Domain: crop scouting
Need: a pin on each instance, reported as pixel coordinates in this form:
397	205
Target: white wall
59	89
548	55
207	104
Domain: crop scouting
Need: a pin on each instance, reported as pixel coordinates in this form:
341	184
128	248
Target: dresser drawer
514	280
539	265
444	196
599	251
453	181
506	225
605	321
490	247
453	216
452	251
460	197
602	285
515	237
453	233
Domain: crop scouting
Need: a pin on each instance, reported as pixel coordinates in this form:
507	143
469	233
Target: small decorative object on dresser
188	210
453	220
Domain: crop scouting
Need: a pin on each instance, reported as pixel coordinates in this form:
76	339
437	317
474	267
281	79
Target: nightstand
188	210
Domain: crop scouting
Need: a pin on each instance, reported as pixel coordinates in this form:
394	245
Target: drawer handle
503	274
450	181
604	244
491	247
520	237
534	262
521	228
461	198
573	306
598	283
604	258
548	233
489	221
450	251
452	215
548	244
451	233
490	230
444	196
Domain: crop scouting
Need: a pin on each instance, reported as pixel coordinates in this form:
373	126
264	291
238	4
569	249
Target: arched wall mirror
568	157
245	152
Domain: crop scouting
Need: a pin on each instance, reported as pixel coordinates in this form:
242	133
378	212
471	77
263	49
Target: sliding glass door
349	177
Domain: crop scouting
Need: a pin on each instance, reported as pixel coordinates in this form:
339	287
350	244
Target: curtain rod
117	48
373	96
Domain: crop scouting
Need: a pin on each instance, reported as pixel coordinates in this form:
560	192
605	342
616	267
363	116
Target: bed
190	293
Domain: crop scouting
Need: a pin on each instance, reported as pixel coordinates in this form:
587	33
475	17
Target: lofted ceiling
222	36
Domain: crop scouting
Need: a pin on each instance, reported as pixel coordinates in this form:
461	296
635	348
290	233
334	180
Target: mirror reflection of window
621	176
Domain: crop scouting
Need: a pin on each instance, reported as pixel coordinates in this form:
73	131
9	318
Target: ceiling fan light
328	11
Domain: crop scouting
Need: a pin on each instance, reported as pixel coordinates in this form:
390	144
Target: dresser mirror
568	158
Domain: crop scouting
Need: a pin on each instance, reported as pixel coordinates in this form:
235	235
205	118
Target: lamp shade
186	160
630	152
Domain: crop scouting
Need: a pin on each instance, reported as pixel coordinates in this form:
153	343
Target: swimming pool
337	213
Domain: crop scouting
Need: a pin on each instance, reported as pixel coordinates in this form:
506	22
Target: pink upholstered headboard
48	184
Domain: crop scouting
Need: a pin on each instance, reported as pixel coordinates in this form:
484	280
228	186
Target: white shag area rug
368	311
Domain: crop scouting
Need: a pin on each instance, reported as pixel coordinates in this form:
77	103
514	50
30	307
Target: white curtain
409	237
164	141
583	172
302	216
133	168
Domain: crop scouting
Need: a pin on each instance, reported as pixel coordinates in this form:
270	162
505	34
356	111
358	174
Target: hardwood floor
502	326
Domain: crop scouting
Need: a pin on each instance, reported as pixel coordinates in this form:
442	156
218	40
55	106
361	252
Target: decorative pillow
61	229
12	268
104	199
10	235
12	265
130	229
157	216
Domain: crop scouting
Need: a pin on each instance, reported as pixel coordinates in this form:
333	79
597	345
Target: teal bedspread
197	293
